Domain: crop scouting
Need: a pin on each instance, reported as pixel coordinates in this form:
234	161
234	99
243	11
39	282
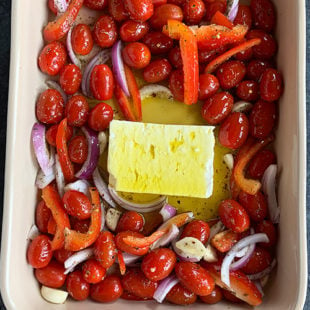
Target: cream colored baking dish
19	288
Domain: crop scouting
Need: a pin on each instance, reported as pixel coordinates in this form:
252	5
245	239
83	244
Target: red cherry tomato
52	275
130	220
157	42
129	296
231	297
78	149
197	229
52	132
43	214
77	287
264	14
179	295
135	282
260	162
81	226
139	10
100	117
256	68
77	204
231	73
158	2
175	57
158	264
39	253
93	272
163	13
50	107
194	11
76	111
234	216
217	107
117	10
107	290
132	31
262	119
244	16
176	84
136	55
234	130
62	255
205	56
96	4
105	250
268	228
122	246
247	90
224	240
177	2
208	86
271	85
157	71
105	31
70	79
213	7
215	297
102	82
81	39
52	58
259	261
244	55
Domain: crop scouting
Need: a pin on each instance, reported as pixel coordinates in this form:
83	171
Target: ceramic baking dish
19	288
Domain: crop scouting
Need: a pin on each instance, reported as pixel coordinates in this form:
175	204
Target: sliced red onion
215	229
264	280
228	259
165	287
71	53
243	260
93	154
269	189
118	67
267	271
259	287
156	90
242	106
189	249
33	232
171	236
232	9
77	258
130	258
79	185
242	252
43	180
167	212
60	179
61	5
102	216
54	85
103	141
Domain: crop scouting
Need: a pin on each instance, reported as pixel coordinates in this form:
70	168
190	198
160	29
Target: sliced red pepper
58	28
220	19
51	226
62	151
212	66
223	241
121	262
74	240
54	203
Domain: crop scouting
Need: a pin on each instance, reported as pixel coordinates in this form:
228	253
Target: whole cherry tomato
197	229
105	31
213	7
62	255
93	272
50	107
39	253
70	78
122	246
180	295
268	228
139	10
234	216
208	85
158	264
76	111
43	214
247	90
158	2
157	71
176	84
52	58
264	14
244	16
81	39
260	162
256	68
130	220
175	57
100	117
117	10
52	275
177	2
77	287
259	261
132	31
215	297
81	226
231	73
107	290
205	56
157	42
78	149
102	82
105	250
164	12
244	55
271	85
234	130
194	11
136	55
96	4
52	132
77	204
130	296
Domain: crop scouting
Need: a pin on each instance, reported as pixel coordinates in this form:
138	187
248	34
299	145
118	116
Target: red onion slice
215	229
171	236
33	232
54	85
60	179
79	185
130	258
61	5
259	287
167	212
165	287
263	273
232	9
102	217
77	258
243	260
155	90
43	180
93	154
71	53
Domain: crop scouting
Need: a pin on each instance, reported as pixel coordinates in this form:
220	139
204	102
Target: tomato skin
50	107
76	111
81	226
175	57
264	14
96	4
139	10
93	272
176	84
77	204
132	31
52	132
256	68
130	220
117	10
135	282
231	297
158	264
81	39
259	261
39	252
271	85
52	275
157	42
158	70
180	295
105	250
102	82
260	162
247	90
62	255
234	130
194	11
78	149
77	287
164	12
43	214
244	16
136	55
231	73
208	85
244	55
100	117
215	297
195	278
122	246
129	296
197	229
224	240
52	58
268	228
105	31
107	290
70	79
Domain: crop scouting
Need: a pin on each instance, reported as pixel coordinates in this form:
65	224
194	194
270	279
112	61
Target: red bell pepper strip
220	19
51	226
212	66
62	151
58	28
121	262
54	203
224	240
74	240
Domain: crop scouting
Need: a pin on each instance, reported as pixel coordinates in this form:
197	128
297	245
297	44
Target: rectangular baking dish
19	288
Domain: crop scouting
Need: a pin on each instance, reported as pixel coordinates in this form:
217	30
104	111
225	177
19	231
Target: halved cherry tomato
70	79
176	84
78	149
157	42
121	245
93	272
215	297
244	16
163	13
132	31
260	162
136	55
96	4
208	86
157	71
105	250
256	68
271	85
194	11
107	290
259	261
264	14
43	214
130	220
197	229
224	240
179	295
231	73
39	252
62	255
77	204
247	90
139	10
52	275
268	228
76	111
52	132
105	31
100	117
117	10
77	287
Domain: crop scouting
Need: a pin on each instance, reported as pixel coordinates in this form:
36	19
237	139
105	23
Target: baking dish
19	288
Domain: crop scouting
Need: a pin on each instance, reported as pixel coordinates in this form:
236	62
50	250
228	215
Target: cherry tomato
195	278
158	2
136	55
264	14
93	272
50	107
70	78
102	82
81	226
43	214
197	229
117	10
259	261
107	290
100	117
77	287
105	250
234	130
132	31
52	131
157	71
157	42
244	55
177	2
130	220
122	246
215	297
96	4
164	12
62	255
255	205
268	228
205	56
176	84
256	68
158	264
208	85
77	204
175	57
224	240
234	216
231	73
247	90
52	275
244	16
129	296
81	39
260	162
213	7
271	85
194	11
180	295
105	31
139	10
76	111
135	282
231	297
262	119
78	149
52	58
39	253
217	107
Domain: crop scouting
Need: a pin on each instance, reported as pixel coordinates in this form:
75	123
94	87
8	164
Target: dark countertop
5	10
